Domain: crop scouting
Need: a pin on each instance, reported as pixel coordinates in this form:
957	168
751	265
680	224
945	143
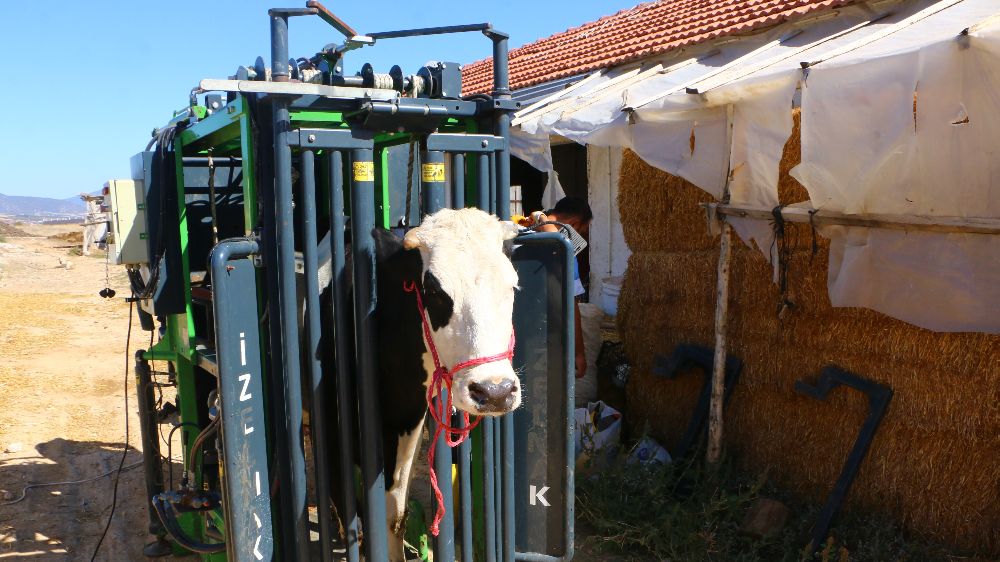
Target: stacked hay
935	461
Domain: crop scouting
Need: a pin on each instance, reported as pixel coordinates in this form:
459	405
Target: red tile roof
645	30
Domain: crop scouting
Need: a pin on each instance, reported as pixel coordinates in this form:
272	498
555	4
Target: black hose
200	440
177	534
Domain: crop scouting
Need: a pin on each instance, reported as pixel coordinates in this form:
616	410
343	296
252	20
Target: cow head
467	284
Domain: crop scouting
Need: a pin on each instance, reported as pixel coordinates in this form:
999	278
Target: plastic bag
598	429
648	451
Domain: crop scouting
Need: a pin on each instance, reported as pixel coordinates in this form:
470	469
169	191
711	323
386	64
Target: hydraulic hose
177	534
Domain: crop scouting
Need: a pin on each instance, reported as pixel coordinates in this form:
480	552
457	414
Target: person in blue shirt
576	213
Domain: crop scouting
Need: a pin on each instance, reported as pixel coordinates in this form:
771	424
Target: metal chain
211	198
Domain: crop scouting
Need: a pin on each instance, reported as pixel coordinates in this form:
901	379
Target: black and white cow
467	284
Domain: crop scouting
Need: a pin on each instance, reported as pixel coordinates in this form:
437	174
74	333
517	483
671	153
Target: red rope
441	411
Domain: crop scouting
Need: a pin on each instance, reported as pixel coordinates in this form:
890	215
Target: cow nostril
479	393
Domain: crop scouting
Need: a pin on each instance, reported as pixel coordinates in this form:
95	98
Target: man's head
575	212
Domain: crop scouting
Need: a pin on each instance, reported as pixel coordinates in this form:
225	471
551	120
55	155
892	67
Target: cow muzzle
494	397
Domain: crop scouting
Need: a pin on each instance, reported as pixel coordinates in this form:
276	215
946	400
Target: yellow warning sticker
364	171
433	172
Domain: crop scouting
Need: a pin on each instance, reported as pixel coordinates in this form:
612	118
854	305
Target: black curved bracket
879	396
686	355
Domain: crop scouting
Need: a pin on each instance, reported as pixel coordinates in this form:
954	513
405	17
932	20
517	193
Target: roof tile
644	30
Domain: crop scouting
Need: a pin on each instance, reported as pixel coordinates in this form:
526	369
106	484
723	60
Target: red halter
441	411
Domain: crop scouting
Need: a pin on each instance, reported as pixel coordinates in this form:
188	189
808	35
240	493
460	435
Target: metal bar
465	493
294	89
347	506
318	418
492	197
507	424
329	17
363	251
431	31
432	188
293	491
483	185
150	440
341	139
501	91
218	162
279	46
458	181
498	488
453	142
432	184
490	491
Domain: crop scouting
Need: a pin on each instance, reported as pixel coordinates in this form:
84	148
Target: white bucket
611	287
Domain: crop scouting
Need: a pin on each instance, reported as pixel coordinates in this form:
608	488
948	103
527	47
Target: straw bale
935	462
789	188
662	208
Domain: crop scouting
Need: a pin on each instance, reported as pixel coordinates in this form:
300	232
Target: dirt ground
62	378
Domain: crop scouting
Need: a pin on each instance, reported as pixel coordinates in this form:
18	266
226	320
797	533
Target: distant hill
21	205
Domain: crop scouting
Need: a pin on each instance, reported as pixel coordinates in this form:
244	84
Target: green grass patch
689	512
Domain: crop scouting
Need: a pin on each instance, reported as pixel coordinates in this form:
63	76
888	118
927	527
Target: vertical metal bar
150	440
294	490
501	90
465	491
483	185
432	187
279	47
507	431
318	423
363	250
458	181
489	504
432	180
347	505
498	488
493	183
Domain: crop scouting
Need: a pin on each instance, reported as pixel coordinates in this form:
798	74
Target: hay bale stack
662	208
935	462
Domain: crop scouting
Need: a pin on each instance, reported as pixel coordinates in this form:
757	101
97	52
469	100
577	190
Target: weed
687	511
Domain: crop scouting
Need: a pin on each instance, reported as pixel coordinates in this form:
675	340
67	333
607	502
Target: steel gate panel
543	425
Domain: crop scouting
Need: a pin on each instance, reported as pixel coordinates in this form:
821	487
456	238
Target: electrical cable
121	464
24	492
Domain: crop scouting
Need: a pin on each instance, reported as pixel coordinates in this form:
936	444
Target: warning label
364	171
433	172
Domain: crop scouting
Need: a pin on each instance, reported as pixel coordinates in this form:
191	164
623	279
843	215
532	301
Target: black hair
573	207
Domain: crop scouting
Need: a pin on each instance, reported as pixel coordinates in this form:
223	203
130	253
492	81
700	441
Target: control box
129	235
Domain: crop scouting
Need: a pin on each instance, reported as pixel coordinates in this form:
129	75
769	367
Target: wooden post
719	367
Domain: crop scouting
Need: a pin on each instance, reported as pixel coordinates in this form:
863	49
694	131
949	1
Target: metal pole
318	423
293	488
465	490
432	187
458	181
489	472
363	250
150	440
493	184
498	488
483	185
501	91
507	431
347	506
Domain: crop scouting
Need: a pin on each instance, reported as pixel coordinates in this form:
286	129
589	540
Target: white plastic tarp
864	150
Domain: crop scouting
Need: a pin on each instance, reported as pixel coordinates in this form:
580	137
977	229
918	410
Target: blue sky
89	80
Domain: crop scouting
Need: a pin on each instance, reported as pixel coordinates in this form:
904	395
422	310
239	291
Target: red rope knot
441	410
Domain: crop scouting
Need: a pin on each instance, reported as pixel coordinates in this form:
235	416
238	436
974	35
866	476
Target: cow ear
387	244
411	241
